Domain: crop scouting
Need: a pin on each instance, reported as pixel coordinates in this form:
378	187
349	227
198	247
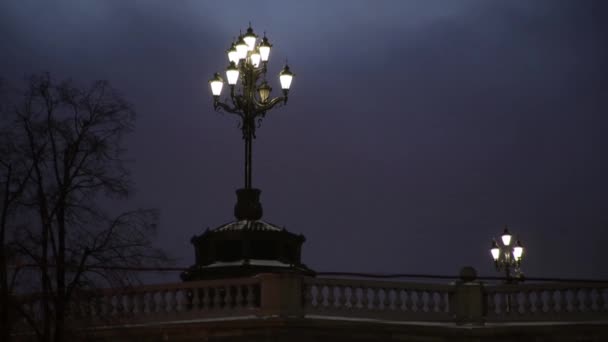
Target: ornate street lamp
249	100
508	256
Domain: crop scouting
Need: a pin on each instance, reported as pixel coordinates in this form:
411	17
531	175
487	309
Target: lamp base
248	206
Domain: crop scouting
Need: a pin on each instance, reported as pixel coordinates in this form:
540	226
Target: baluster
163	304
601	303
139	302
331	298
538	303
507	303
527	302
171	300
386	300
550	301
238	299
349	302
342	300
587	302
250	296
206	298
409	301
563	300
441	304
392	299
178	300
375	298
357	297
152	305
419	301
217	298
128	302
228	298
576	302
364	298
399	302
196	299
120	304
433	301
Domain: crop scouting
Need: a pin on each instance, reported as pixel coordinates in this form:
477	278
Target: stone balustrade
290	295
160	303
377	299
546	302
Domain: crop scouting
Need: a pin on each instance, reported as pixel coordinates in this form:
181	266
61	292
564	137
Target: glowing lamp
250	38
518	250
506	237
233	55
255	58
232	73
241	48
285	76
265	49
495	251
216	84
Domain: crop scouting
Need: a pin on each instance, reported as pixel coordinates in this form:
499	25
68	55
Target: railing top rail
176	286
379	284
542	286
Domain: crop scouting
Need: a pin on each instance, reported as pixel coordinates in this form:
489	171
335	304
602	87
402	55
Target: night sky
414	131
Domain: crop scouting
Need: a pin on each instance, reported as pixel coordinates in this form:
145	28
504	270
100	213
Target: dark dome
244	248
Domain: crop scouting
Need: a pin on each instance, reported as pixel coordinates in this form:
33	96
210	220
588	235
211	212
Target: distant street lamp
250	101
508	256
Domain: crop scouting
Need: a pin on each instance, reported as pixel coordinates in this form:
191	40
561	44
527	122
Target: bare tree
72	168
15	172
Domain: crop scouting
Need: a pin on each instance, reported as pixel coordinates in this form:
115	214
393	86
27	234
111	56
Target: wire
351	274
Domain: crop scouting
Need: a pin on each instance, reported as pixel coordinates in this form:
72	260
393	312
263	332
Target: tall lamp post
508	256
249	100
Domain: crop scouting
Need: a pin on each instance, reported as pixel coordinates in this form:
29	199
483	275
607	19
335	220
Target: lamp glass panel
241	49
250	40
264	52
233	56
506	239
518	251
495	253
255	59
285	81
216	87
232	75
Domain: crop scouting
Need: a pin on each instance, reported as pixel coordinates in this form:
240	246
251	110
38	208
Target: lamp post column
248	62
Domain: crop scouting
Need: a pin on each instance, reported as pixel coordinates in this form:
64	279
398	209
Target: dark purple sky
414	131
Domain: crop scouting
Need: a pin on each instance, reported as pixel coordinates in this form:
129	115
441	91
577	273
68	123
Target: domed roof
249	225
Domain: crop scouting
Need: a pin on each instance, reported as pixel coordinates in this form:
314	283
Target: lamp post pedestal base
248	206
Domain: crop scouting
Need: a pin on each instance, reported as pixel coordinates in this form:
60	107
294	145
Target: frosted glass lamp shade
495	251
255	58
232	74
286	76
250	39
216	84
233	55
506	237
241	48
264	49
518	250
